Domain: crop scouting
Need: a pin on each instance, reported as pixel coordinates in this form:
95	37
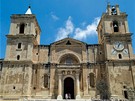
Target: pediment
68	42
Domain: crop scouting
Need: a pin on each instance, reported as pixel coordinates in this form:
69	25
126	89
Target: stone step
63	100
35	99
57	100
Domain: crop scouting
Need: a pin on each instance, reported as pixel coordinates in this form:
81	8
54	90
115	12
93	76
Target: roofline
68	38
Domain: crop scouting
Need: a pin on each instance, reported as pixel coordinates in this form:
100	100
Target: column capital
77	74
59	75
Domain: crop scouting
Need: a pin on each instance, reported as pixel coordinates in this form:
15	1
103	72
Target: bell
113	8
115	25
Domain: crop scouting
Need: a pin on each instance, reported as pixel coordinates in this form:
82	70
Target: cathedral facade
85	71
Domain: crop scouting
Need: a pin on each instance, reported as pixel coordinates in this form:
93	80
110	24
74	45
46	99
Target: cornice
17	62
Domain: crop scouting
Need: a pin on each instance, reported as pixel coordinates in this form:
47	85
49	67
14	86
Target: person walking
69	96
66	96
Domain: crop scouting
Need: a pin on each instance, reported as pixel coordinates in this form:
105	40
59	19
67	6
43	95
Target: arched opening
69	87
22	28
114	11
19	45
92	82
18	57
68	43
115	26
120	56
69	59
46	81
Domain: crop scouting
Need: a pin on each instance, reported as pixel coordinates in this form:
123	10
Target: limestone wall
25	51
15	81
120	78
93	53
41	54
38	81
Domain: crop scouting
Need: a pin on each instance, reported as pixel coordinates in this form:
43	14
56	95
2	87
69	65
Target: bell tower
114	35
23	35
16	75
116	45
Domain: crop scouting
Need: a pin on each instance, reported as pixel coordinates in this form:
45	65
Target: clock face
125	51
114	52
118	46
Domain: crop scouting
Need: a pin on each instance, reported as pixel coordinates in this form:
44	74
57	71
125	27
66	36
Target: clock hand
118	45
126	51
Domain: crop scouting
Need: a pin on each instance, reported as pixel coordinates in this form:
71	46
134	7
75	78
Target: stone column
59	87
77	87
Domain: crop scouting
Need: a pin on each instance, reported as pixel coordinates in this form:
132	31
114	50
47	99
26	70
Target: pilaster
77	87
85	82
52	80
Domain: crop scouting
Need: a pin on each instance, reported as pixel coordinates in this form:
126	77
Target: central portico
68	68
68	76
68	81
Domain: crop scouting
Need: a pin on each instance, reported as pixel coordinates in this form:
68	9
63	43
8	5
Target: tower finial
29	10
29	6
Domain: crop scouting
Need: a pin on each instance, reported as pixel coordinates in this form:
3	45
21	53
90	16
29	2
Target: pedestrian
66	96
69	96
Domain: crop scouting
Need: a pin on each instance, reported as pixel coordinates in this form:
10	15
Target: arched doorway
69	87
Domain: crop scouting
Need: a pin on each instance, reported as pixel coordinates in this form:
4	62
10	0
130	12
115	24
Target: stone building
85	71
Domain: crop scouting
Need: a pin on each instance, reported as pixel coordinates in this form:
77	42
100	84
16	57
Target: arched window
115	26
68	60
19	45
22	28
120	56
92	81
18	57
45	80
114	11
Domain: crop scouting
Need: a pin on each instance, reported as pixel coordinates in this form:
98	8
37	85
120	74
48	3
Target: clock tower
116	44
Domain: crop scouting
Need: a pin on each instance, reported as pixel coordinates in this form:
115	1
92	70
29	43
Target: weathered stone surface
34	72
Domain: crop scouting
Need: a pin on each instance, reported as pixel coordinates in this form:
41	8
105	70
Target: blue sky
58	18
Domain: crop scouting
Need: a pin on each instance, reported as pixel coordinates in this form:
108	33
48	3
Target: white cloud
78	33
83	24
89	30
54	17
68	29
